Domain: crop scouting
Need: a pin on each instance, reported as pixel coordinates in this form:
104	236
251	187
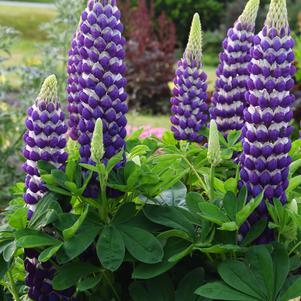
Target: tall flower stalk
266	143
232	73
44	140
189	108
102	82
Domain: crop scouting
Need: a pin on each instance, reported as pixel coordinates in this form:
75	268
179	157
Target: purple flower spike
266	143
73	87
44	140
102	81
228	101
189	108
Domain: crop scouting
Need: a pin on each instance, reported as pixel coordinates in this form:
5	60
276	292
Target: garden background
35	38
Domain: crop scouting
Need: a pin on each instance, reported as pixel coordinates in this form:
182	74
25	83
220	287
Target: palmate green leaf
187	286
174	233
169	216
238	276
220	291
247	210
230	226
34	239
182	254
110	248
141	244
148	271
294	166
68	275
294	291
213	213
157	289
113	161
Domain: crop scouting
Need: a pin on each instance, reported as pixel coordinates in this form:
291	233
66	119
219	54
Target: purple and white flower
102	82
44	139
228	101
266	143
189	107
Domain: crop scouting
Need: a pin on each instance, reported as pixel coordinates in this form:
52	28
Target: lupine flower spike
44	140
228	101
189	108
103	78
73	87
265	161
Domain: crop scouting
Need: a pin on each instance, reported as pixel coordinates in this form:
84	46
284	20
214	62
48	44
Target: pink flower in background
147	132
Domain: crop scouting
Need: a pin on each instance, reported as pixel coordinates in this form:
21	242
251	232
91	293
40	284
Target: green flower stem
104	207
211	183
13	288
196	173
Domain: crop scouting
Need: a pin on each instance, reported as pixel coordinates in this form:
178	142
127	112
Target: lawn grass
27	20
139	120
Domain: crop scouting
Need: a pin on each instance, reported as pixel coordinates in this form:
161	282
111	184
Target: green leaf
182	254
70	232
221	291
230	204
34	239
213	213
82	239
281	267
294	166
192	201
48	253
58	190
187	286
148	271
175	196
4	266
46	211
294	183
89	167
9	251
230	226
68	275
221	249
255	231
237	275
110	248
141	244
247	210
88	283
233	137
45	167
260	262
114	161
168	216
157	289
294	291
231	185
18	219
